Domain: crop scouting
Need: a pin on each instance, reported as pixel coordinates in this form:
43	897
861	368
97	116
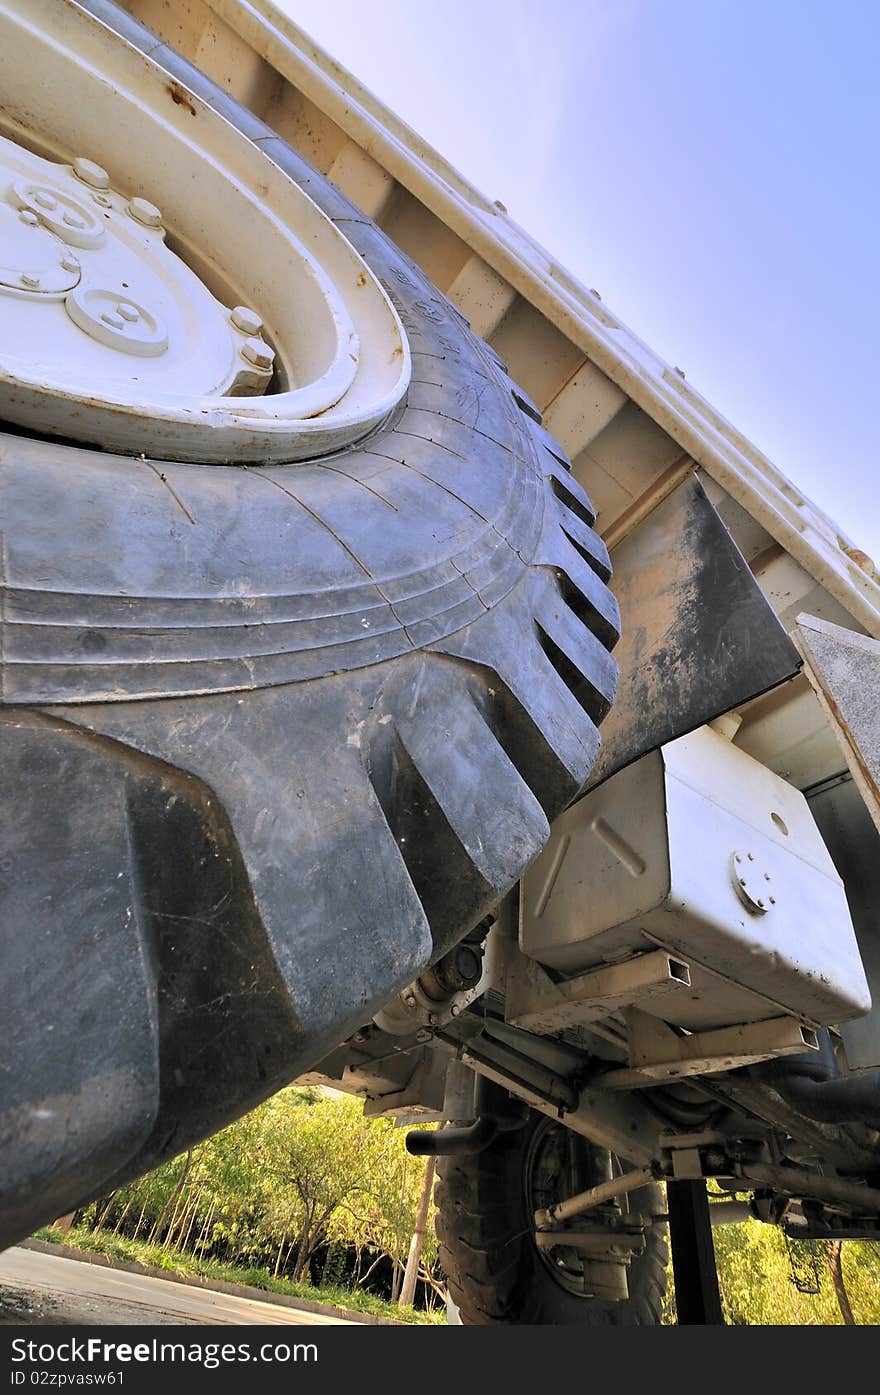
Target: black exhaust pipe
495	1113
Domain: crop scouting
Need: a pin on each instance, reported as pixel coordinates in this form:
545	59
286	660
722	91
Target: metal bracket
600	1242
538	1004
658	1054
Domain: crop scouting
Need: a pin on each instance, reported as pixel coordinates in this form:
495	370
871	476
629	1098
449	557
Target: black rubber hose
811	1084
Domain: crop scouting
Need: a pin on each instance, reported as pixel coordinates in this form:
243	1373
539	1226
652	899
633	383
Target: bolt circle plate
119	324
66	216
752	880
32	259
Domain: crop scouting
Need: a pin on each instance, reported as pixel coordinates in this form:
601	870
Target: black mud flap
698	637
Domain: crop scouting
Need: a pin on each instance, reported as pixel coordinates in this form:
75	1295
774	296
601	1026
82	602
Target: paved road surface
40	1288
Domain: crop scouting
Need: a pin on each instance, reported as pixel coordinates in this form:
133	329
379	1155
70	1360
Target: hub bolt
248	321
258	353
145	212
90	173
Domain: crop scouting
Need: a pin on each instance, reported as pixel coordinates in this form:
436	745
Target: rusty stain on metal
180	97
861	559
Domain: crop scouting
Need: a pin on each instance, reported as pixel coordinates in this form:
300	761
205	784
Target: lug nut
27	215
128	312
245	319
145	212
90	173
258	353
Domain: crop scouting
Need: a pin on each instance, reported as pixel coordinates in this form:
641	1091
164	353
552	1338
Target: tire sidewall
535	1297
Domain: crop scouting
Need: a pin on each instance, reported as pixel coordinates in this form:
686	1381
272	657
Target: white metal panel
704	851
607	864
787	731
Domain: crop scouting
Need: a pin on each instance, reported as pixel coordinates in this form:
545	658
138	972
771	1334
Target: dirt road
42	1288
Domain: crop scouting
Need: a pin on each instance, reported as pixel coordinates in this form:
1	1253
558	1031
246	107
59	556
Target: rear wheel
288	700
496	1271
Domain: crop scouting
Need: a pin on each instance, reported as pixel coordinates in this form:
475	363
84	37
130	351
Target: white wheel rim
258	334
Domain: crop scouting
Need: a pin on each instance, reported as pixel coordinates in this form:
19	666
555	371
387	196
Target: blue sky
713	169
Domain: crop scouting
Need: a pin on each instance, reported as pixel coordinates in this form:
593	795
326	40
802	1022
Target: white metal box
702	850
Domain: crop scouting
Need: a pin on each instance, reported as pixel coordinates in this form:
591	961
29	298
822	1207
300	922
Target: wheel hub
167	289
590	1260
94	292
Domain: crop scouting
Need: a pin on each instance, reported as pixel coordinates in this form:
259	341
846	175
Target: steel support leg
697	1299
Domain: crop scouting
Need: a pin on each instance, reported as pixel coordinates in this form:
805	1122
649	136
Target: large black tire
272	738
494	1269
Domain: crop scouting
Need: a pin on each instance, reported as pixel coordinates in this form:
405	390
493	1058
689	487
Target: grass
119	1247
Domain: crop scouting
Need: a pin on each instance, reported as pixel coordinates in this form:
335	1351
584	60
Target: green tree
311	1161
758	1269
